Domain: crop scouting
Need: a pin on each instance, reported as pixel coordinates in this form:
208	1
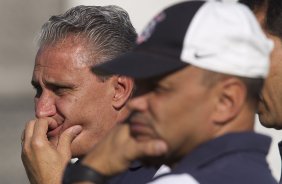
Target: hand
118	149
43	161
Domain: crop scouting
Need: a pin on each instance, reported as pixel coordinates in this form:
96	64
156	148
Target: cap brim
140	65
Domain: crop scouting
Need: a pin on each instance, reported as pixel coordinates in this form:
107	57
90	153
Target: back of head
253	4
272	21
107	29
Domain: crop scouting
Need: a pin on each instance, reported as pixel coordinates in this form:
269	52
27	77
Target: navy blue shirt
237	158
136	174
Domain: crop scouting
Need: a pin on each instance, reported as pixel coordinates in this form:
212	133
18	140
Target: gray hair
107	29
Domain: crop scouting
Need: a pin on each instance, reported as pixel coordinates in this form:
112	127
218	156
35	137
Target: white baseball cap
222	37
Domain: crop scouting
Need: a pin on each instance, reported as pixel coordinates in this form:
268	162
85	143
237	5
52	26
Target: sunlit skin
270	106
69	92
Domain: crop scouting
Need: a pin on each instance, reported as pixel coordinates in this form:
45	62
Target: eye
160	88
151	86
38	90
142	87
59	90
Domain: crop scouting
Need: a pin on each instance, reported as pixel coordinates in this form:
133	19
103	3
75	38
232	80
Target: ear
123	87
232	95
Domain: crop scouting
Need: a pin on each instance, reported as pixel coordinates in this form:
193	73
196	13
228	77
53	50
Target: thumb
66	138
152	148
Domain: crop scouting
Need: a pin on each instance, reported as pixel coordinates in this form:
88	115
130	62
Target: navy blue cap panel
168	35
160	45
140	65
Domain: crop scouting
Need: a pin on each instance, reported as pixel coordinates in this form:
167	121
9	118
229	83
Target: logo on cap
147	32
198	55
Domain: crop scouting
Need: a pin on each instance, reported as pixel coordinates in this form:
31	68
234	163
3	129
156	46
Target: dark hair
252	4
273	22
273	15
254	87
107	30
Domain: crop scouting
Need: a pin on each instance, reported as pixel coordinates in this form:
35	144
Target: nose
138	103
45	105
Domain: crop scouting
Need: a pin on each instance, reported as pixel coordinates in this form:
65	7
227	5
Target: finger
151	148
28	132
66	138
137	149
155	148
41	128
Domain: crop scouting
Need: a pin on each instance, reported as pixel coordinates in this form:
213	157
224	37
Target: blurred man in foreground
198	70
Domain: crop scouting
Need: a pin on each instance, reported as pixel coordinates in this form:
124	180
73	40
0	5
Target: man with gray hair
75	108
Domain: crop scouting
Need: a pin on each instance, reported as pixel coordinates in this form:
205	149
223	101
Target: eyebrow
53	84
34	83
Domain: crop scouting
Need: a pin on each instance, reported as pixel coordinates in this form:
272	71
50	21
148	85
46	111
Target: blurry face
67	91
176	109
270	107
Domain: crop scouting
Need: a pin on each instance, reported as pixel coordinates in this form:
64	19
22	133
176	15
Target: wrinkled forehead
66	54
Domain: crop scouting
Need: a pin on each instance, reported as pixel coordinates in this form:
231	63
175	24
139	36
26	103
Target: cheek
272	91
182	118
92	133
84	142
94	114
67	107
168	114
273	84
72	111
181	108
